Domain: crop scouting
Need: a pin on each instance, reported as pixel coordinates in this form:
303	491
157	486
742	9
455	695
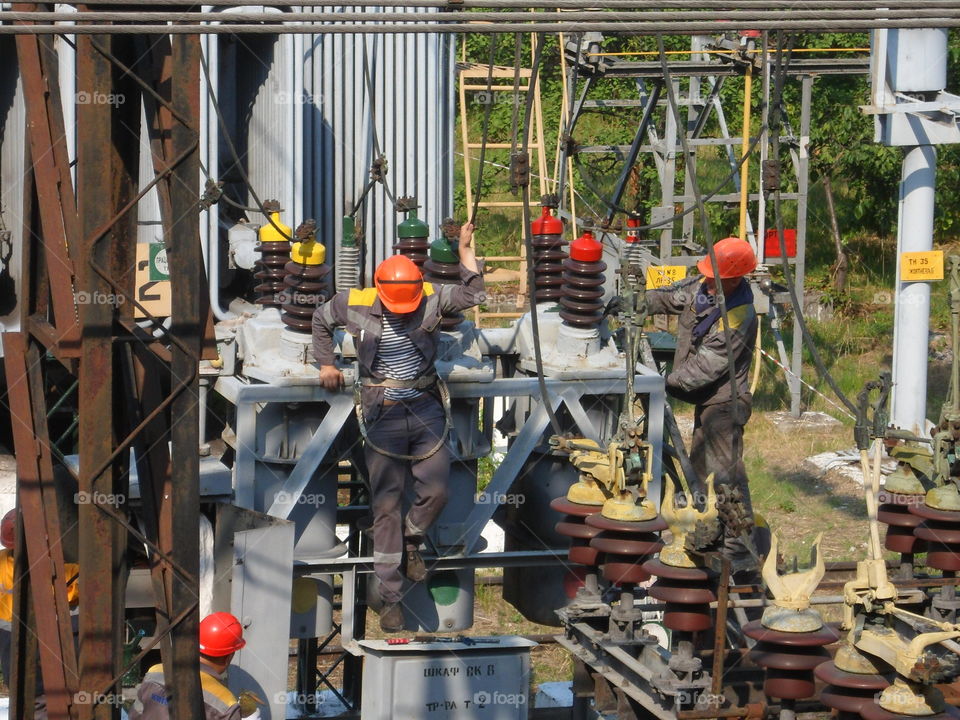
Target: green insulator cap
442	251
412	227
349	232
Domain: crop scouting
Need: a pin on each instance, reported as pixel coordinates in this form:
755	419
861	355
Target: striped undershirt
397	357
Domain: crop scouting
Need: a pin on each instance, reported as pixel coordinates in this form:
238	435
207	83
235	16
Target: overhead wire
527	230
491	59
238	162
776	113
705	228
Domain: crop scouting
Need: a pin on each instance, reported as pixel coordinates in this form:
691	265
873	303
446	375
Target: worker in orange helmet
396	328
700	373
221	636
8	535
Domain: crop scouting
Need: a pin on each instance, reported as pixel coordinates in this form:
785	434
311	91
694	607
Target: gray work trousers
409	428
717	448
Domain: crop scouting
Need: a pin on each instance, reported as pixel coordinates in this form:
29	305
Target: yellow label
152	294
663	275
919	266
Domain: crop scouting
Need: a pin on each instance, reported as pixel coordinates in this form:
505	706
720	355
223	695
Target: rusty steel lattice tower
130	384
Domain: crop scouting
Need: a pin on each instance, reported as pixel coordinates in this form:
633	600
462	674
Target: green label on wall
158	262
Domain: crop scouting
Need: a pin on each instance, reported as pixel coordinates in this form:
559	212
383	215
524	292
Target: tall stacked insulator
412	234
625	546
574	526
632	248
894	510
789	658
582	298
853	681
940	529
682	582
274	239
548	253
348	257
443	268
306	284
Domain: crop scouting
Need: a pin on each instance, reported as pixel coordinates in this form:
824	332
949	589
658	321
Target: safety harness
422	383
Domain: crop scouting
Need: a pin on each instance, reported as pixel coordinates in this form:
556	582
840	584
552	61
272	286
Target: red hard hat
735	258
8	529
399	284
220	634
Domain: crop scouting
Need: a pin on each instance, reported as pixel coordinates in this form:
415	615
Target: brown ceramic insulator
848	692
894	510
626	546
548	257
789	658
415	248
941	531
872	711
574	526
687	592
270	272
304	288
582	298
441	273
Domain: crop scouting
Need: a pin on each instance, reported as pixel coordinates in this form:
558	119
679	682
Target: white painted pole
912	312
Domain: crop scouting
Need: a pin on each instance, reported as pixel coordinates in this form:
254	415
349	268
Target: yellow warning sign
152	282
663	275
920	266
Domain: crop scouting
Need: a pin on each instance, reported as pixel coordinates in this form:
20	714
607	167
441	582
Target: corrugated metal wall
409	116
307	112
12	172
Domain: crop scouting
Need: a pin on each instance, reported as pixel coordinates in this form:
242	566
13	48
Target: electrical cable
528	235
776	111
704	222
494	41
589	183
368	81
233	150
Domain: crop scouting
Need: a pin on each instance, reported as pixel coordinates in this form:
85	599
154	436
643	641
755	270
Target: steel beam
51	168
179	537
41	523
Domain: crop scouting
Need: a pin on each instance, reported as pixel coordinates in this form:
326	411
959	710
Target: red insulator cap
632	235
586	248
547	224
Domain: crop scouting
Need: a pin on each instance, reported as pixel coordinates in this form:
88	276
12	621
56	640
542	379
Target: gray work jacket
360	312
700	373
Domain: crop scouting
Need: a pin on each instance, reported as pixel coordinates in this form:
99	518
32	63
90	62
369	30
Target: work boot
414	568
391	617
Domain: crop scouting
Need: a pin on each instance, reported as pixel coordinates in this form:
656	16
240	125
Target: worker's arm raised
672	300
454	298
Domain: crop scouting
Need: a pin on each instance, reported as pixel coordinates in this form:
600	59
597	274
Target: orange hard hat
735	258
399	284
8	529
220	634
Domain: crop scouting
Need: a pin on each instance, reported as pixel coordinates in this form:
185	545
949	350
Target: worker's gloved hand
614	306
330	378
250	704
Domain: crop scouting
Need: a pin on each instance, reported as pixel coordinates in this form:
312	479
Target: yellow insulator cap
309	252
269	233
